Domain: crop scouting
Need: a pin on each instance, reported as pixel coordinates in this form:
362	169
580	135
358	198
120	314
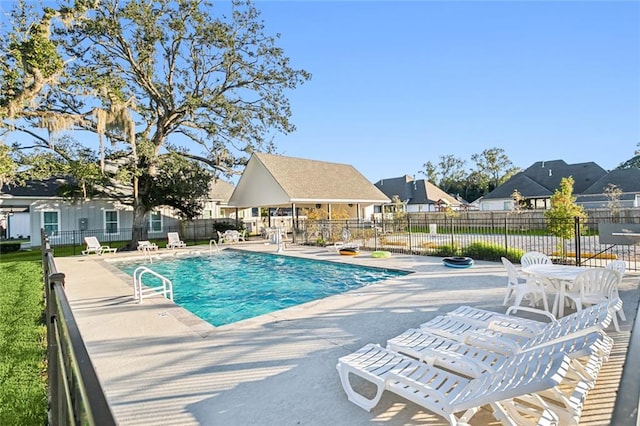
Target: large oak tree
172	92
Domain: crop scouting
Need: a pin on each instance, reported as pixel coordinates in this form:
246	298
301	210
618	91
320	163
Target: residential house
627	181
419	195
537	184
286	186
26	209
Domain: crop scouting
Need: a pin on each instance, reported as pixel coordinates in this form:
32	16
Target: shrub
446	250
490	251
9	247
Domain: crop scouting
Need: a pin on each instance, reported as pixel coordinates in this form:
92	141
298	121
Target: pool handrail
166	289
213	243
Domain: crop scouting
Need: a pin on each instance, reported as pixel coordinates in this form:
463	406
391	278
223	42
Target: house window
506	205
155	222
51	222
111	221
207	214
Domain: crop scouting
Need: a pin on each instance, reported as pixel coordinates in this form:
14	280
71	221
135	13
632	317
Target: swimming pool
235	285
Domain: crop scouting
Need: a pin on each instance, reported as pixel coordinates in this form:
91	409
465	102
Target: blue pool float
458	262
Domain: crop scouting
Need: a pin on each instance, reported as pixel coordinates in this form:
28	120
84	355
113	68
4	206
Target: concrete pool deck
160	365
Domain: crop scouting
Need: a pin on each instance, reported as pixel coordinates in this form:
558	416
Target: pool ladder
213	244
164	289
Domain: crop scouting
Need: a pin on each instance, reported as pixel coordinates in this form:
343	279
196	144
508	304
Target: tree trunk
139	230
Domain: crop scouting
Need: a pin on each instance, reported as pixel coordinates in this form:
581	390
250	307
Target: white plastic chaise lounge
94	246
587	354
447	394
508	337
174	241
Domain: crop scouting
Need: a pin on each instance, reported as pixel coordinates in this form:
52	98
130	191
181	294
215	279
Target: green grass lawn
23	386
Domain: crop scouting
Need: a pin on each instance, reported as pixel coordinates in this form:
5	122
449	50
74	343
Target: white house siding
70	216
419	208
496	205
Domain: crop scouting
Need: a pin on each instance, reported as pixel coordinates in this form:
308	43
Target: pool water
234	285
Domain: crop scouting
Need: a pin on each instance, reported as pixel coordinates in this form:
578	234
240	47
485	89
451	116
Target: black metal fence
448	236
75	394
190	232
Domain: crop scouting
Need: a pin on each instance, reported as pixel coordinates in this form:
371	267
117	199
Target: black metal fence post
576	225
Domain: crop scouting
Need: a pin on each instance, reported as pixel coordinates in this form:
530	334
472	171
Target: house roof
220	190
34	188
414	191
271	180
542	178
627	180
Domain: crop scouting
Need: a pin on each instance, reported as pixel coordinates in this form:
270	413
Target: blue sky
397	84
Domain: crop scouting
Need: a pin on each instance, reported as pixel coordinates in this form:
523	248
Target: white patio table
561	276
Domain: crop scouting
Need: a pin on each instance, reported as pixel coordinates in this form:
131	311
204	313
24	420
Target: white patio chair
174	241
595	286
447	394
522	287
534	258
620	266
94	246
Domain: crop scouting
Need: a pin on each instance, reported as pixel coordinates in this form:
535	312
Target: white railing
212	244
165	289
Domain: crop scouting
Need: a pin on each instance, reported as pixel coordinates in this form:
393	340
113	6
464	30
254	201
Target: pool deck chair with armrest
174	241
587	353
446	394
523	287
620	266
596	285
508	337
94	246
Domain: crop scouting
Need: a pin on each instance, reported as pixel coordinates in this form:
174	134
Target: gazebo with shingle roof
278	181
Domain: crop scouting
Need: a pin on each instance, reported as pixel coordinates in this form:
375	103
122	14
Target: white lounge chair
174	241
147	246
94	246
509	337
446	394
587	353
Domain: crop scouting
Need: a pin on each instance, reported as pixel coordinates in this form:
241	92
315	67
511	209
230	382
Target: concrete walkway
160	365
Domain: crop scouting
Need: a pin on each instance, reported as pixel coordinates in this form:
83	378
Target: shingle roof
542	178
627	180
312	180
35	188
220	190
414	191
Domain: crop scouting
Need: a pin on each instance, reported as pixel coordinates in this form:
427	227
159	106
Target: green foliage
489	251
23	394
205	92
633	162
9	247
561	217
446	250
8	167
